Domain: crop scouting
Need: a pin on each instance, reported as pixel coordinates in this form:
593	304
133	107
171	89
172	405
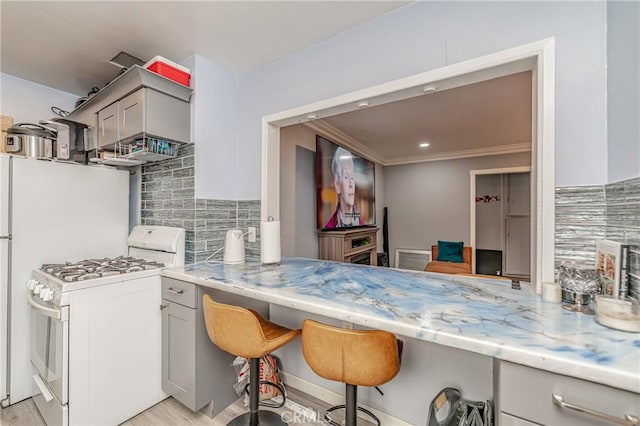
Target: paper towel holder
270	242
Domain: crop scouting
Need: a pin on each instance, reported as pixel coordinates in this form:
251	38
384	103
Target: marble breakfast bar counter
478	315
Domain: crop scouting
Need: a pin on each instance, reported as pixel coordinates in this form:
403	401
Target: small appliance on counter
233	247
72	142
30	140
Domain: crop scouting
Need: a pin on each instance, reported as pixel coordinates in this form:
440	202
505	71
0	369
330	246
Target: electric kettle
233	247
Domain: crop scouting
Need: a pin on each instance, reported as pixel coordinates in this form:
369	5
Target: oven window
47	351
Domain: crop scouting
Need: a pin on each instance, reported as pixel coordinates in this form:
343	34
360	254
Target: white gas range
55	282
96	331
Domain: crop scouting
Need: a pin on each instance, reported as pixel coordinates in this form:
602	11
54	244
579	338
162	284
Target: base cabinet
525	396
194	370
179	350
507	420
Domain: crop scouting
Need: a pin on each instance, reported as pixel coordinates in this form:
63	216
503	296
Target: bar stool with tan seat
354	357
244	333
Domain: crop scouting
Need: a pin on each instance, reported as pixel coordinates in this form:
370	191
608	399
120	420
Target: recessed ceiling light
363	104
429	89
424	145
312	116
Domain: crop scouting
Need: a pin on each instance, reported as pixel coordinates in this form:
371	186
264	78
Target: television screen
345	187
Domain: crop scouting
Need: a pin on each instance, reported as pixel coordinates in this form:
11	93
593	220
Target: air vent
125	60
412	259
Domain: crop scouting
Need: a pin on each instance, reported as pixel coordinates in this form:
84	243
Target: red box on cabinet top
169	69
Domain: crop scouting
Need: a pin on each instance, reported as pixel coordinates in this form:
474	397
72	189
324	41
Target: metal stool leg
256	417
351	409
254	390
351	415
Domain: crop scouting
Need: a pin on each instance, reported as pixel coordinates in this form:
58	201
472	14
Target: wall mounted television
345	187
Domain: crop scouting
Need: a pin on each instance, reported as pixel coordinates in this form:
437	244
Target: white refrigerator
50	212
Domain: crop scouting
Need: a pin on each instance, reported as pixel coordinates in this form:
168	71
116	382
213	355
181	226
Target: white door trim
472	203
538	56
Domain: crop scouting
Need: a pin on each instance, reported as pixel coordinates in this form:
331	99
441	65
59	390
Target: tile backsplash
168	199
585	214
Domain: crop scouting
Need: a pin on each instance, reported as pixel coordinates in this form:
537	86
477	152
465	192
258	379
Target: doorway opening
537	57
500	222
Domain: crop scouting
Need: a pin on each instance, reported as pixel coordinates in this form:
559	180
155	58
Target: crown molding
354	145
343	139
466	153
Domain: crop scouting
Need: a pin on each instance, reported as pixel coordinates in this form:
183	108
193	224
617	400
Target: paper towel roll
270	242
551	292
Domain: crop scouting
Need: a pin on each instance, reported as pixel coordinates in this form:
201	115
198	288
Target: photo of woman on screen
344	181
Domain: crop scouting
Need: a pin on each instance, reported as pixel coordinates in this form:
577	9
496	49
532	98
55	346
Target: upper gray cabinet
145	112
137	103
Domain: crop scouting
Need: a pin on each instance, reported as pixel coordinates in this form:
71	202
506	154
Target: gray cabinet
108	125
145	112
525	394
132	115
178	353
194	370
507	420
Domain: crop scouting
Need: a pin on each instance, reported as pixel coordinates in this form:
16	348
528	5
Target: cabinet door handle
629	420
163	306
175	291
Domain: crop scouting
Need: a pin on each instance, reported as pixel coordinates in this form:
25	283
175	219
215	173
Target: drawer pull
175	291
628	420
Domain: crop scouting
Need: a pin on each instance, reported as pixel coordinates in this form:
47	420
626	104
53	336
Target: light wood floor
171	413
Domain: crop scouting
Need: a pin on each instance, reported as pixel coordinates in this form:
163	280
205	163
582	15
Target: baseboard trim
335	398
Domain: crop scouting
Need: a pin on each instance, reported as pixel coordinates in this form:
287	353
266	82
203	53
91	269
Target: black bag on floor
448	408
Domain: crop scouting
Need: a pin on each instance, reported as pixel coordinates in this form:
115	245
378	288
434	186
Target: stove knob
46	294
31	284
37	288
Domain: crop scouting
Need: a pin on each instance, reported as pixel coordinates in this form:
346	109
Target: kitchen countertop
479	315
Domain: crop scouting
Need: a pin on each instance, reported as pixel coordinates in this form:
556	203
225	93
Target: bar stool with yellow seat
244	333
354	357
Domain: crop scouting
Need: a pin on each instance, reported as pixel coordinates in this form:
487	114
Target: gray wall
297	219
623	89
430	201
306	237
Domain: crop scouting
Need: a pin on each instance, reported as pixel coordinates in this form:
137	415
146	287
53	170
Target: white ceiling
67	45
489	116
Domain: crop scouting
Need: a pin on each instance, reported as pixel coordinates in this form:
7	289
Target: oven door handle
46	310
46	393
